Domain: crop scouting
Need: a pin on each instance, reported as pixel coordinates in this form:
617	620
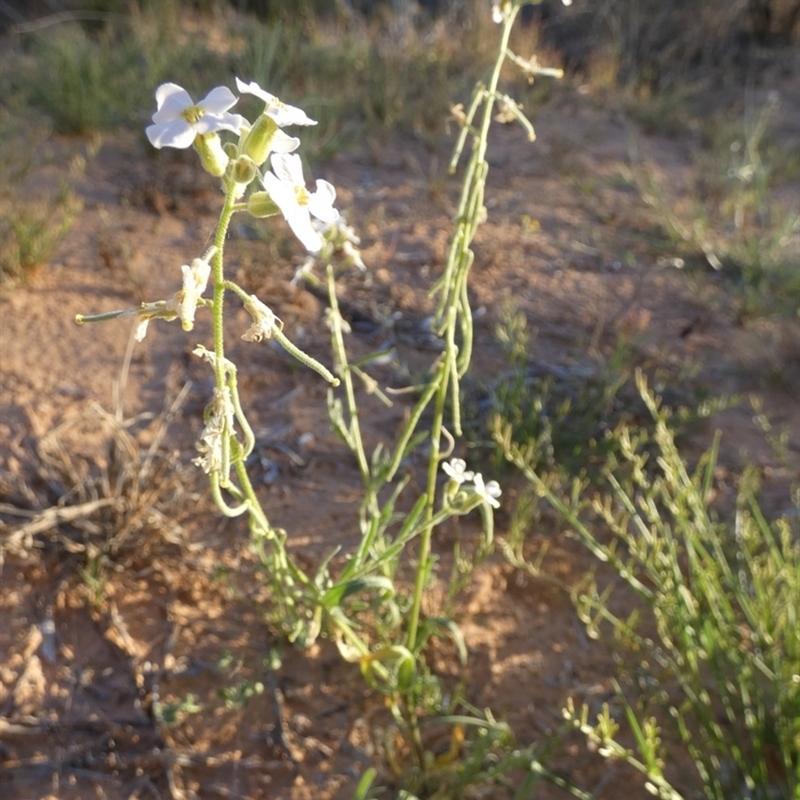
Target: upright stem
219	284
218	308
459	257
483	137
427	532
452	302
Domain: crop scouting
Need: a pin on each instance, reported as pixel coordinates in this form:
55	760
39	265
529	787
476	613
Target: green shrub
724	598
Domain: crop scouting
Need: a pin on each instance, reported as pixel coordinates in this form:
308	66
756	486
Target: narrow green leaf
336	594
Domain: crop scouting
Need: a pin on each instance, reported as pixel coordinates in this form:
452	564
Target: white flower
195	280
266	136
344	237
352	253
488	493
286	186
338	236
330	320
304	270
497	10
281	113
264	321
456	468
179	119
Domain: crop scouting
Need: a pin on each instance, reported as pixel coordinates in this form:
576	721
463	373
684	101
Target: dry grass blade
20	541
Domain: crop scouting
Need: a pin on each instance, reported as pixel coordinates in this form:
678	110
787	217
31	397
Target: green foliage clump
31	227
724	598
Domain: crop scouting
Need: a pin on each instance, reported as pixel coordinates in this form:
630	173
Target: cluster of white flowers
263	176
459	475
180	122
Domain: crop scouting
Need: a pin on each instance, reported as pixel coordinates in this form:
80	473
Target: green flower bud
244	170
212	156
260	204
257	143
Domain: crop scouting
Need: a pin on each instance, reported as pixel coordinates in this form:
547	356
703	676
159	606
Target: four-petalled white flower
489	492
456	468
179	119
286	186
266	136
281	113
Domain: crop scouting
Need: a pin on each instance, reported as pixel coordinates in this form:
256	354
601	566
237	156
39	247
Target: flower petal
281	113
283	143
254	89
488	492
297	216
281	193
456	468
288	168
288	115
218	100
300	223
211	123
320	203
173	133
141	329
171	99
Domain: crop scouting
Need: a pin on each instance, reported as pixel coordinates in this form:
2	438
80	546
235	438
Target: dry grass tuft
119	510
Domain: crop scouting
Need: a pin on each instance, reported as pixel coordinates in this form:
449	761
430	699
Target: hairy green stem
217	311
217	264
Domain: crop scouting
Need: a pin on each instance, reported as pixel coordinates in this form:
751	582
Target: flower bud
257	143
260	204
244	170
212	156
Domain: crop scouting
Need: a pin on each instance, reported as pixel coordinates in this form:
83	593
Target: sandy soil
92	642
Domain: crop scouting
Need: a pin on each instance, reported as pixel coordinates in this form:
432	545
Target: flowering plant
181	123
362	607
